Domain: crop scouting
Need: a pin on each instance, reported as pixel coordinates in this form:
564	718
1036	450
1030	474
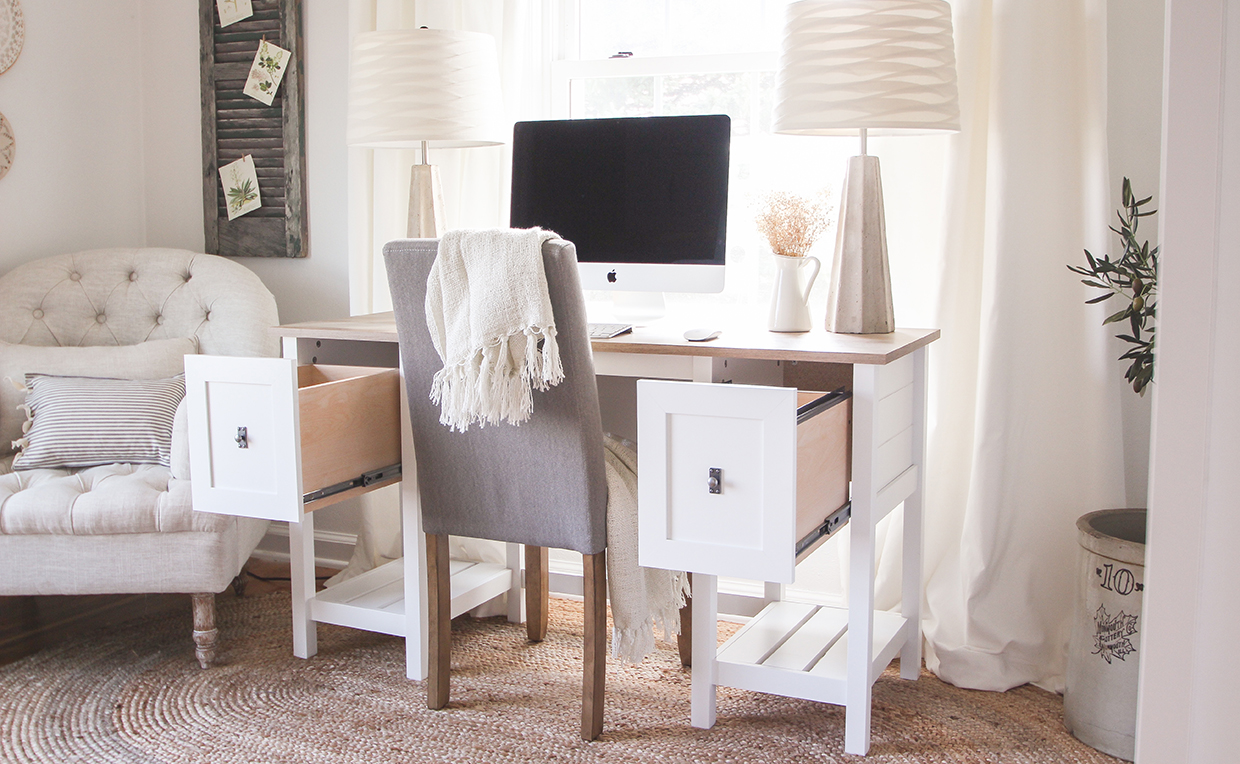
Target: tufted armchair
127	528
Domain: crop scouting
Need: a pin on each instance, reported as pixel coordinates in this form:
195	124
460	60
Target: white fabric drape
1024	434
528	35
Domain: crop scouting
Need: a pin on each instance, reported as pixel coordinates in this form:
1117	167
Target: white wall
74	99
1188	676
1134	135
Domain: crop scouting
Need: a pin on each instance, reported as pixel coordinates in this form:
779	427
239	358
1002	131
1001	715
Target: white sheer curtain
1025	424
529	34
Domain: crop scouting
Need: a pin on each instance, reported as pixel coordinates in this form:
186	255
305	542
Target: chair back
540	483
127	296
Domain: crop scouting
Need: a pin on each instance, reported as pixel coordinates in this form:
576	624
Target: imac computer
645	201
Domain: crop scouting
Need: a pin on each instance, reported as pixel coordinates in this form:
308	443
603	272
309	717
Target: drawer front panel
695	445
746	529
257	475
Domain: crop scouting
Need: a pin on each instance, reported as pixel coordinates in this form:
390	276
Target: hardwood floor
31	624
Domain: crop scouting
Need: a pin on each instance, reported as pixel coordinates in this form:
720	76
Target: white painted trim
332	549
1187	696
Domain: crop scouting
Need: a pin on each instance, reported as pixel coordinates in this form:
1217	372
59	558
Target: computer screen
643	199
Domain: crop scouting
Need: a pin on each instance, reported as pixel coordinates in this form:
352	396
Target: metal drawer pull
715	484
242	442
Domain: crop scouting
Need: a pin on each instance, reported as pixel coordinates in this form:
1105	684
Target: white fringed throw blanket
490	320
641	598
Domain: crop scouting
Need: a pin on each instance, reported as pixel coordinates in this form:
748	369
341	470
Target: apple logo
611	277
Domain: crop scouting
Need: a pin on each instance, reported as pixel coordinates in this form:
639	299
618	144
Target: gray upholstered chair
125	528
541	484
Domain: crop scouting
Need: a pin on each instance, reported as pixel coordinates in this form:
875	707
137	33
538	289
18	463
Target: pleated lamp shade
885	65
412	85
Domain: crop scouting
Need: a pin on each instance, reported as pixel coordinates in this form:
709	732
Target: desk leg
861	565
516	598
301	573
910	602
705	649
417	663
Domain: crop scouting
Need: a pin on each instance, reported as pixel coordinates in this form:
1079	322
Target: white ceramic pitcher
790	301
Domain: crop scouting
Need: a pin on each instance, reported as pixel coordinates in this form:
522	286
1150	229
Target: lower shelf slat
375	600
801	651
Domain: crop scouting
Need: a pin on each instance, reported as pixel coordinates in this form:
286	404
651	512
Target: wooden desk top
739	339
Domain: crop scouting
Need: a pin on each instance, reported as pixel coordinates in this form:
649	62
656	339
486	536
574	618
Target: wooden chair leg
684	640
537	592
595	663
439	605
205	633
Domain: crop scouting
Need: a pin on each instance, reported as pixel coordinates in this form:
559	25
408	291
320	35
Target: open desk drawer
267	436
738	480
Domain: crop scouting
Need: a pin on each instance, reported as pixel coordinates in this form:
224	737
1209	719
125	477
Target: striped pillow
85	421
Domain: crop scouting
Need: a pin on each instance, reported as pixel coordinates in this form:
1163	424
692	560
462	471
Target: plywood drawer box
269	438
736	480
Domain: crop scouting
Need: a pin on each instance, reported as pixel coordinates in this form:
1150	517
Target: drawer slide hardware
715	483
833	523
361	481
242	442
819	405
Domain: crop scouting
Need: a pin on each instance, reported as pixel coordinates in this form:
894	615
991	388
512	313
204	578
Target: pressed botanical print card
269	64
232	11
240	186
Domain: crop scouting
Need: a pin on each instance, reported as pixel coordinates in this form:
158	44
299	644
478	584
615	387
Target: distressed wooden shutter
233	125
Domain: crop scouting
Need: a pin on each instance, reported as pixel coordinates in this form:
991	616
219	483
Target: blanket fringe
496	382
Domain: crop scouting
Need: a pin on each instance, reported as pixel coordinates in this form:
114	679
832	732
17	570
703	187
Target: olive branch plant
1133	278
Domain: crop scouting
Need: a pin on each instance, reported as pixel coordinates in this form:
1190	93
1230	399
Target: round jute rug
136	695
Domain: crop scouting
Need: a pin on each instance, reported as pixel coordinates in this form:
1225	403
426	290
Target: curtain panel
1025	432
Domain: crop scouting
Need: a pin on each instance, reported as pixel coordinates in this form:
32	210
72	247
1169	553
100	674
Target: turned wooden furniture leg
684	640
537	592
439	606
205	633
595	663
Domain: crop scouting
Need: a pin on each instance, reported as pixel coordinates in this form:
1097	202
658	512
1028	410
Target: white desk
393	599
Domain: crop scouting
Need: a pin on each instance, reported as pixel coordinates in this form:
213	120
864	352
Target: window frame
564	72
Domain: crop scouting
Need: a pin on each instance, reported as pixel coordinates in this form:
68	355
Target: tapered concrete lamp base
859	301
425	202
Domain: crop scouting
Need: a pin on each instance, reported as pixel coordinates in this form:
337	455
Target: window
720	56
741	85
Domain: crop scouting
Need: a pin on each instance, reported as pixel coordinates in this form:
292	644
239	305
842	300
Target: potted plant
1132	278
1100	697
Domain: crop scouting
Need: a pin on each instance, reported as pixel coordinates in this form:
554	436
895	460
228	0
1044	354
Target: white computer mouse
701	335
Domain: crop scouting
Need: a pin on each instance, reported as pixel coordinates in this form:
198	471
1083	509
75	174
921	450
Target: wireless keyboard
607	331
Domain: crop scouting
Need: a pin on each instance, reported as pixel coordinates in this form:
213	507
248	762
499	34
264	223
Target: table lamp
886	66
423	88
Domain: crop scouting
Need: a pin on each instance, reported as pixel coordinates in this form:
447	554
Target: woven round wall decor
8	146
12	32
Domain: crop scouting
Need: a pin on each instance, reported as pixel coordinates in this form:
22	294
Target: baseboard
332	549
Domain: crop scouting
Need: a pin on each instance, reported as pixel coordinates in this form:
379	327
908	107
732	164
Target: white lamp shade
412	85
885	65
